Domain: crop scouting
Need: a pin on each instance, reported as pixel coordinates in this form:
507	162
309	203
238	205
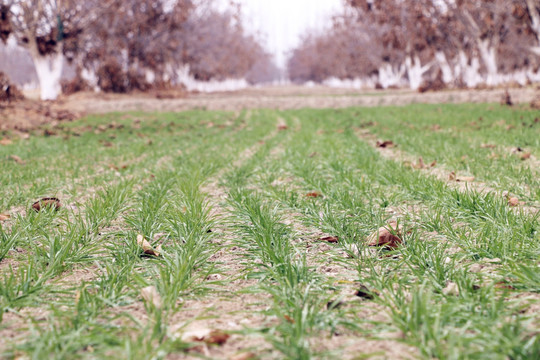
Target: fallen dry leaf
17	159
216	337
4	217
433	164
365	293
314	194
385	144
387	236
244	356
330	239
420	164
151	296
282	127
488	146
451	289
47	202
525	156
465	178
289	319
147	247
504	285
6	141
513	201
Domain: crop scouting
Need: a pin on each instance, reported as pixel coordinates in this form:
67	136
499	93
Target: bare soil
28	114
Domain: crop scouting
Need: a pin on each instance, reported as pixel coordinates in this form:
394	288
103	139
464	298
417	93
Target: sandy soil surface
287	97
30	113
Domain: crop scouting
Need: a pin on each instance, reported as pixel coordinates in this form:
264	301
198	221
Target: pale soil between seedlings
438	171
233	307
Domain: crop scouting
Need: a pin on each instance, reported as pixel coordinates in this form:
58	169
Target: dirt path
286	97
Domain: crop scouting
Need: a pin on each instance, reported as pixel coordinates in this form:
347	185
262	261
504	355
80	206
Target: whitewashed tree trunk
470	73
489	57
415	71
49	72
447	73
390	76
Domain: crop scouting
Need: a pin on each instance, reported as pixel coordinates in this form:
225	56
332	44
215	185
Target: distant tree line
124	45
457	43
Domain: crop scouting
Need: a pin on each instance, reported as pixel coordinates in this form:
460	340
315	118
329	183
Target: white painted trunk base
191	84
390	76
49	72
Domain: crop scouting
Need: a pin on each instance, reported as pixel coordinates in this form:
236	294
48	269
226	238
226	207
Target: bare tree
49	30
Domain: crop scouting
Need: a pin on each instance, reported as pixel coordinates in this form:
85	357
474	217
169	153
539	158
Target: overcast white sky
282	22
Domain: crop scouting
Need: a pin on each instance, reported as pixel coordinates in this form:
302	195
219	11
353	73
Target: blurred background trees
419	43
126	45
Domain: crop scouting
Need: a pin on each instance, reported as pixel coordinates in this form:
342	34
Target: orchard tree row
123	45
461	43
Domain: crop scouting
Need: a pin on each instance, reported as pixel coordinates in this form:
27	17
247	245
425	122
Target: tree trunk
489	57
448	74
390	76
49	72
469	70
415	71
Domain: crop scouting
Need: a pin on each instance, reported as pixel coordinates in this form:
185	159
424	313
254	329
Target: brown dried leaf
525	156
6	141
385	144
513	201
216	337
387	236
282	127
330	239
420	164
17	159
465	178
147	247
47	202
151	296
289	319
451	289
244	356
365	293
433	164
488	146
314	194
4	217
452	176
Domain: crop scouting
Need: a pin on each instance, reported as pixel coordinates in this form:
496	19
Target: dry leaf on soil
17	159
387	236
525	156
244	356
513	201
314	194
385	144
4	217
147	247
451	289
151	296
330	239
453	177
215	337
47	202
364	293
